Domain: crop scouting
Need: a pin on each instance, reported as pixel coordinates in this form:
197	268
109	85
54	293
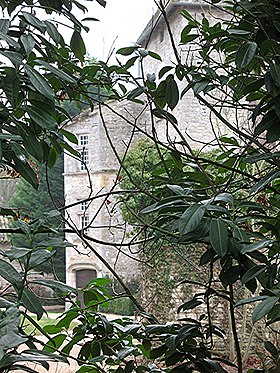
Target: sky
121	23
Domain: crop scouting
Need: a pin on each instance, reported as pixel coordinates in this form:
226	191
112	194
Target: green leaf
32	303
28	43
41	118
9	40
275	73
253	273
11	86
56	286
256	246
4	25
155	55
56	71
34	21
39	256
26	172
126	51
191	218
54	34
172	92
31	143
250	300
10	274
39	82
189	305
102	2
17	253
14	57
164	70
263	308
218	235
52	157
270	176
77	45
230	276
135	93
245	54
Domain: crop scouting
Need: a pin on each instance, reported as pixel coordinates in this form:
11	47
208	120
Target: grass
29	328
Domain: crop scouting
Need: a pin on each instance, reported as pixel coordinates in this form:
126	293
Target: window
85	223
84	159
83	140
84	205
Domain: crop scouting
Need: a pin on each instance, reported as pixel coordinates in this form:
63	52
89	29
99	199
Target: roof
158	18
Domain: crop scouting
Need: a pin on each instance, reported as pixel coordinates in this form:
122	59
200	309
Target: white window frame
84	205
84	221
83	140
84	159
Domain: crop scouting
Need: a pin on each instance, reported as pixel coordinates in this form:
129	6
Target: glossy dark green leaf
126	51
56	286
230	276
263	308
253	273
11	86
27	172
256	246
172	92
14	57
4	25
38	257
270	176
10	274
245	54
28	43
219	236
31	142
77	45
191	218
32	303
39	82
135	93
189	305
34	21
56	71
155	55
9	40
102	2
52	157
54	34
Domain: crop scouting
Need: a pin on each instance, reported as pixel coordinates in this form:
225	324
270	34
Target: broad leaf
219	236
191	218
172	92
39	82
56	71
10	274
32	303
77	45
263	308
41	118
245	54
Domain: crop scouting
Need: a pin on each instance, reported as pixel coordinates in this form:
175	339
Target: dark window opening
83	277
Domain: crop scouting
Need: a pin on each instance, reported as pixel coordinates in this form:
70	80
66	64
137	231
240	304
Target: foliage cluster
239	232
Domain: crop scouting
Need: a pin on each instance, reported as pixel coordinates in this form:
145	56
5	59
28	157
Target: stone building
102	136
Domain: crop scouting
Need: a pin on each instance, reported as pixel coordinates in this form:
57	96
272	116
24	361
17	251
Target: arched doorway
84	276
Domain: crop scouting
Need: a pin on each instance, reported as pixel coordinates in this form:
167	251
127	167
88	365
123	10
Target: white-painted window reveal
84	159
83	140
84	205
85	223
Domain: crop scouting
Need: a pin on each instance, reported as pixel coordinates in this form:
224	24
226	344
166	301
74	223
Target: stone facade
120	122
97	176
